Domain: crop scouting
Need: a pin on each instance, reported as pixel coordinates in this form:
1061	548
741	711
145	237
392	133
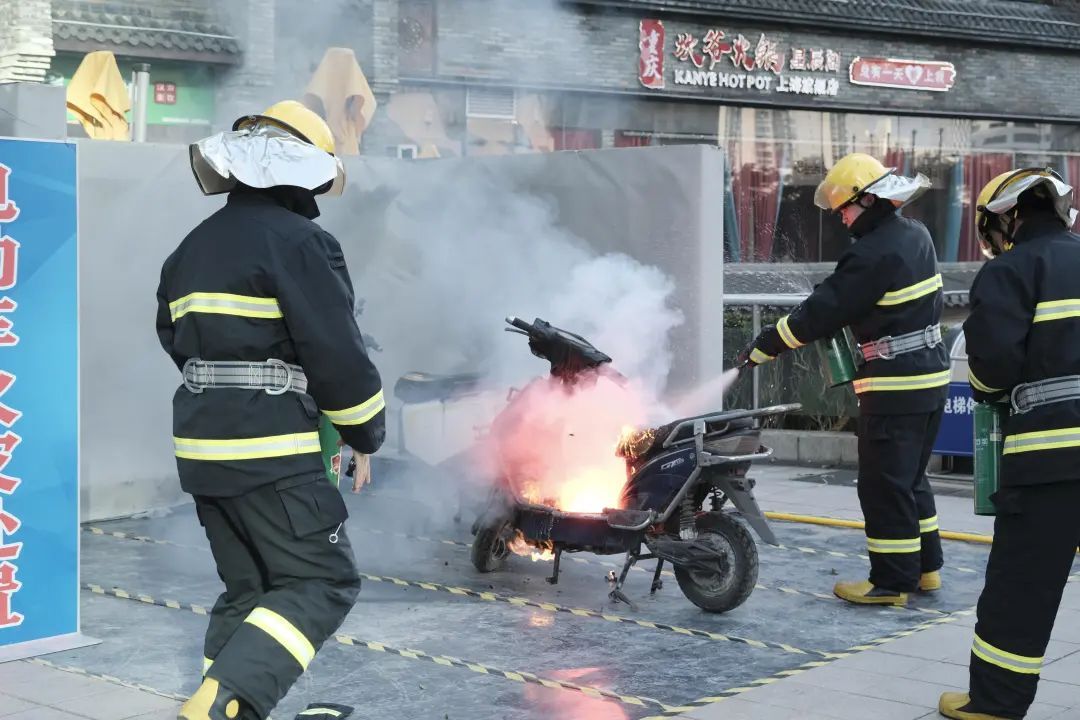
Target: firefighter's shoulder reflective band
759	357
912	292
1057	310
358	414
247	448
928	525
1008	661
225	304
1043	440
891	547
786	335
284	632
895	384
979	384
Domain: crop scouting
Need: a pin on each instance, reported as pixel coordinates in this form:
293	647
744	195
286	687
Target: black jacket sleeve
1002	310
860	279
165	329
316	298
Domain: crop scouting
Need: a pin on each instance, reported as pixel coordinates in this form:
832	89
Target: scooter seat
418	387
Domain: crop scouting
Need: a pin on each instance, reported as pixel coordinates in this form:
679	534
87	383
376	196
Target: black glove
743	358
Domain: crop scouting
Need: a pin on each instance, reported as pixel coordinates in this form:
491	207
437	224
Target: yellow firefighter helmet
849	178
296	118
1000	196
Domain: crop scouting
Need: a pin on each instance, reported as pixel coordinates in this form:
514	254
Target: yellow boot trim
198	706
859	593
950	703
930	581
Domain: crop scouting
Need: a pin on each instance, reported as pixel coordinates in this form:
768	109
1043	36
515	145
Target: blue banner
39	392
958	424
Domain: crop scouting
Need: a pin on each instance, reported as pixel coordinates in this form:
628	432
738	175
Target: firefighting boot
930	581
214	702
325	711
866	593
958	706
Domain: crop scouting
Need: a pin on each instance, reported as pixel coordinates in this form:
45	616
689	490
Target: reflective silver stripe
979	384
912	292
893	384
1057	310
889	347
878	545
1009	661
247	448
225	304
274	376
786	334
1028	396
358	414
1042	440
929	524
759	357
320	711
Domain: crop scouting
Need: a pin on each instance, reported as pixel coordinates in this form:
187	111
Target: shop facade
784	97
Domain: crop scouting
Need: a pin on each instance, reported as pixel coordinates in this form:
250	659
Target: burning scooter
665	476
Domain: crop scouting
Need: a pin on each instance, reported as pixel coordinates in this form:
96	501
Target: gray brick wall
547	44
384	37
26	46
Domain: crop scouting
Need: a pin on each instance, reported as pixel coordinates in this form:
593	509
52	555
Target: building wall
551	44
25	40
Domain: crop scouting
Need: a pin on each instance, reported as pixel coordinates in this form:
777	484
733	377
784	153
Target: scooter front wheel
730	584
489	549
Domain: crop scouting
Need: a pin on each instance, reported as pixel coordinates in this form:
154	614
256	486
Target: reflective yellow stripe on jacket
979	384
1057	310
247	448
1007	660
894	384
877	545
225	304
1042	440
929	525
285	633
358	414
786	335
912	292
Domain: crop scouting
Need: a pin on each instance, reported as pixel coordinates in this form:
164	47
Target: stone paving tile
743	709
10	704
115	702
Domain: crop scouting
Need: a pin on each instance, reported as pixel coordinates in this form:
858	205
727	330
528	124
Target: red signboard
651	57
165	93
903	74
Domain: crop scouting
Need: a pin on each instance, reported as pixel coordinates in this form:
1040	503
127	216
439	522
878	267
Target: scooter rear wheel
736	575
489	550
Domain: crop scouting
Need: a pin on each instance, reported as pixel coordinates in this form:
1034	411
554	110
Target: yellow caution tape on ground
413	654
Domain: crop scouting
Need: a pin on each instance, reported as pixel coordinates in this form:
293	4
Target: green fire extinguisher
838	357
989	442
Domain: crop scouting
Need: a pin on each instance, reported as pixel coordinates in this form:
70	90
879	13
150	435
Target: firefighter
255	307
1023	347
887	289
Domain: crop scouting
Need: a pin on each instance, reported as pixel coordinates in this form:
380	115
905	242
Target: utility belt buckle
932	336
191	367
275	364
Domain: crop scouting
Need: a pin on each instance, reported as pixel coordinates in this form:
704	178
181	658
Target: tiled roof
795	278
187	30
1010	22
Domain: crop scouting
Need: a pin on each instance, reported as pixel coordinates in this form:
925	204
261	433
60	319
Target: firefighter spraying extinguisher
1023	345
876	321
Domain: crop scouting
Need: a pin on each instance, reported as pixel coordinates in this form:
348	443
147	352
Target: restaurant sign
717	59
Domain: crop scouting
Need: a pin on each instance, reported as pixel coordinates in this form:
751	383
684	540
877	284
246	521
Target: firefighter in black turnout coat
1023	347
887	289
255	307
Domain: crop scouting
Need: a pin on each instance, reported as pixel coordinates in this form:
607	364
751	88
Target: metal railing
758	300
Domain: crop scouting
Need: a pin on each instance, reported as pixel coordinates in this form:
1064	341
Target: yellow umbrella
341	94
98	96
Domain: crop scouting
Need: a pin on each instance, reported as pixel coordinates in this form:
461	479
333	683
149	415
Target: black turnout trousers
290	580
896	498
1036	535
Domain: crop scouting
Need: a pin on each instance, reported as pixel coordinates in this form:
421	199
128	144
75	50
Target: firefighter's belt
1044	392
888	347
276	377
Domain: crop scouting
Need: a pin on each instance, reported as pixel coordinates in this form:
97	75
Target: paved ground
432	638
